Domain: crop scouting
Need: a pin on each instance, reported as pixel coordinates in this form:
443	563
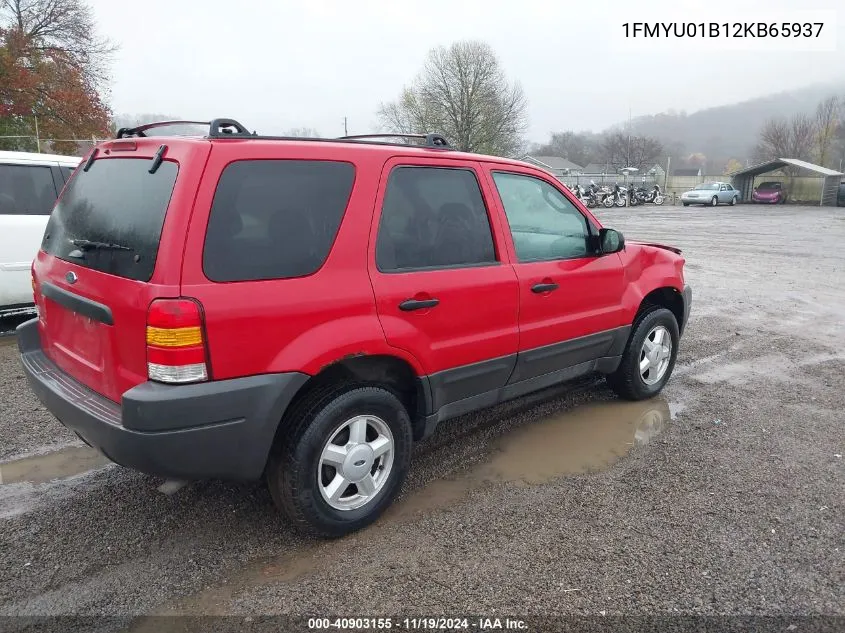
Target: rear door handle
417	304
545	287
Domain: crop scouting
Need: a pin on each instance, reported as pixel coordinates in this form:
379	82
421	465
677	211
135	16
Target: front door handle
417	304
544	287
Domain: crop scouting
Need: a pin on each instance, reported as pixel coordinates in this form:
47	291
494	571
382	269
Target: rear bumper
687	295
215	430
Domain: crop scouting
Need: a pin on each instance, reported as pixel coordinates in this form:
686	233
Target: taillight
175	342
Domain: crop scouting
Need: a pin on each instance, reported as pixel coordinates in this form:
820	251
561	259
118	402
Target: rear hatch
112	245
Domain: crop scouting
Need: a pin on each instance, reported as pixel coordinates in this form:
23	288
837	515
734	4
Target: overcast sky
278	65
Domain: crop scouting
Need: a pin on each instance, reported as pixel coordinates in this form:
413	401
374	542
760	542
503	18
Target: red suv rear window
110	217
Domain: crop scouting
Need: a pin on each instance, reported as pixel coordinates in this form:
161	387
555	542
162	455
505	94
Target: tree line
817	137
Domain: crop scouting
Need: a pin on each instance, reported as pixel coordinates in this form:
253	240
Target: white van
29	186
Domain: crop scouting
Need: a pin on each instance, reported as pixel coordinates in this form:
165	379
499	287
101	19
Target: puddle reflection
39	469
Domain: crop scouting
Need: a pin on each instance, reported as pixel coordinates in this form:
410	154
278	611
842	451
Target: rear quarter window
116	202
275	219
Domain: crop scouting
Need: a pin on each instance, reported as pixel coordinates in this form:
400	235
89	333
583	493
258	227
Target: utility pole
37	135
666	175
345	130
628	155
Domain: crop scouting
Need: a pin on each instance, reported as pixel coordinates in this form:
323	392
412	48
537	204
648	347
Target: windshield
110	217
707	186
769	185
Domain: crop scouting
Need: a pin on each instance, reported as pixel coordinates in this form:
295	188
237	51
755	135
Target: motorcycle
634	196
657	196
583	195
619	195
609	196
652	196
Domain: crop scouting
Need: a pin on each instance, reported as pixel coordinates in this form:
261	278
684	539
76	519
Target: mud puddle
587	439
39	469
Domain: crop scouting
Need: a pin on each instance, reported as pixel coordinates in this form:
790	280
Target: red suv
237	306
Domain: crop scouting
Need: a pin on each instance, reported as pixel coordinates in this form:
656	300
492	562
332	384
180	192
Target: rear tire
300	473
630	381
733	201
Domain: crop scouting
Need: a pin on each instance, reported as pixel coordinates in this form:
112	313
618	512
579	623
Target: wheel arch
665	297
388	371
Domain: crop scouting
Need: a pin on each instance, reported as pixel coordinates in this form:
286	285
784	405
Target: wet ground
723	496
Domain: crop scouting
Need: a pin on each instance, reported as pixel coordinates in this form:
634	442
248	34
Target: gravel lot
574	504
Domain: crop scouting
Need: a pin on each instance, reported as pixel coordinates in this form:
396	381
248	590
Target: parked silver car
711	193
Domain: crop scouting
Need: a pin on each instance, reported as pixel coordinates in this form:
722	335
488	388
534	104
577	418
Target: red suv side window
433	218
275	219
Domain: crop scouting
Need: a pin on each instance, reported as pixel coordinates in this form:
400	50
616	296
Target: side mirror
610	241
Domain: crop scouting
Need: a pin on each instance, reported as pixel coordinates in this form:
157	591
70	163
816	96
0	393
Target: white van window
26	190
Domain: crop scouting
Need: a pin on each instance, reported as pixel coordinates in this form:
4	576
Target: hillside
729	131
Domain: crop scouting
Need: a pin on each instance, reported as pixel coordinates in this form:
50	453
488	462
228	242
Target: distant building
656	170
688	172
598	168
556	165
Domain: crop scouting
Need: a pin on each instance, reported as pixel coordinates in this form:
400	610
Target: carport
743	180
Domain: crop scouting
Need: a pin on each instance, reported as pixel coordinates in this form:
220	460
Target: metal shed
744	178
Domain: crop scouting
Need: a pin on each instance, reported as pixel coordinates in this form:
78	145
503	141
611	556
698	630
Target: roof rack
431	140
217	128
230	128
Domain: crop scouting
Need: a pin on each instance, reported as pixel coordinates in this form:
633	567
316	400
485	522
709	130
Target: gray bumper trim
221	429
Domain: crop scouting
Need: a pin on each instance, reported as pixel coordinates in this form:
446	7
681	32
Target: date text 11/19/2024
418	624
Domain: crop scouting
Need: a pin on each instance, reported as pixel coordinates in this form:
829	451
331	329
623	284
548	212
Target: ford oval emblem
71	277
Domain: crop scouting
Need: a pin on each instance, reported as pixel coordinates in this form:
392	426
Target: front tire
607	202
714	202
658	200
649	356
686	204
342	461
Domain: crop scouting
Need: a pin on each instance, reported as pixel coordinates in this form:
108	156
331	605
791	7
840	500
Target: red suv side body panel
589	298
301	324
451	334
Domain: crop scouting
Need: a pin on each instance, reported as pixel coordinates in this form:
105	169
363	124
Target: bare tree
803	137
619	150
827	123
581	148
302	132
63	28
463	93
774	140
793	138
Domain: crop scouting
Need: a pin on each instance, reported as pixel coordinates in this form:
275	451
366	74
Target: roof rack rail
431	140
217	128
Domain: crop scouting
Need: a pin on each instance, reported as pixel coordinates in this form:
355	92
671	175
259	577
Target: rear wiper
90	245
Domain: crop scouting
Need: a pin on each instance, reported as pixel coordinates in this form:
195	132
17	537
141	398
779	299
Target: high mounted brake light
176	351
